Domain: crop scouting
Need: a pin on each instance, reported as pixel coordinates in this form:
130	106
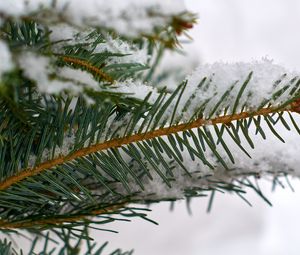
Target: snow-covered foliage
72	36
126	17
208	83
90	116
39	69
266	78
270	157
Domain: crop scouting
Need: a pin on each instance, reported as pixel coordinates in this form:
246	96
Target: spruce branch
58	221
86	128
97	164
119	142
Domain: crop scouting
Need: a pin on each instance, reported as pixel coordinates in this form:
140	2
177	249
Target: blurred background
231	30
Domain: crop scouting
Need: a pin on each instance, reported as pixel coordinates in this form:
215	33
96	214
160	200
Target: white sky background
237	30
231	30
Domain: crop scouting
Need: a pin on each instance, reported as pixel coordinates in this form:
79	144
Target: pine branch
94	170
115	143
65	159
58	221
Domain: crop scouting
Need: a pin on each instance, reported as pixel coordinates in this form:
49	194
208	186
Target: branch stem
118	142
88	66
58	221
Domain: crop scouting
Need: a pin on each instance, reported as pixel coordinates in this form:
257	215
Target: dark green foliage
68	249
25	34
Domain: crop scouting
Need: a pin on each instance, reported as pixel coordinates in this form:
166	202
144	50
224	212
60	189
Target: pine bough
85	131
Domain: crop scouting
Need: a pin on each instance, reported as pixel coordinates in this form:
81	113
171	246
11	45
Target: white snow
6	63
68	35
39	69
61	32
136	89
82	77
36	68
221	76
116	45
64	149
126	17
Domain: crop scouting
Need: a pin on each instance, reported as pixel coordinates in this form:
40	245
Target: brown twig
57	221
88	66
118	142
295	106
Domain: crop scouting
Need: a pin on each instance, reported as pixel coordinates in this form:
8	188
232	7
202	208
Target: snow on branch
253	85
103	59
129	18
261	80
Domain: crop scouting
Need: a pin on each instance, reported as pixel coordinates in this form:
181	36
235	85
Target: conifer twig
118	142
88	66
59	220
